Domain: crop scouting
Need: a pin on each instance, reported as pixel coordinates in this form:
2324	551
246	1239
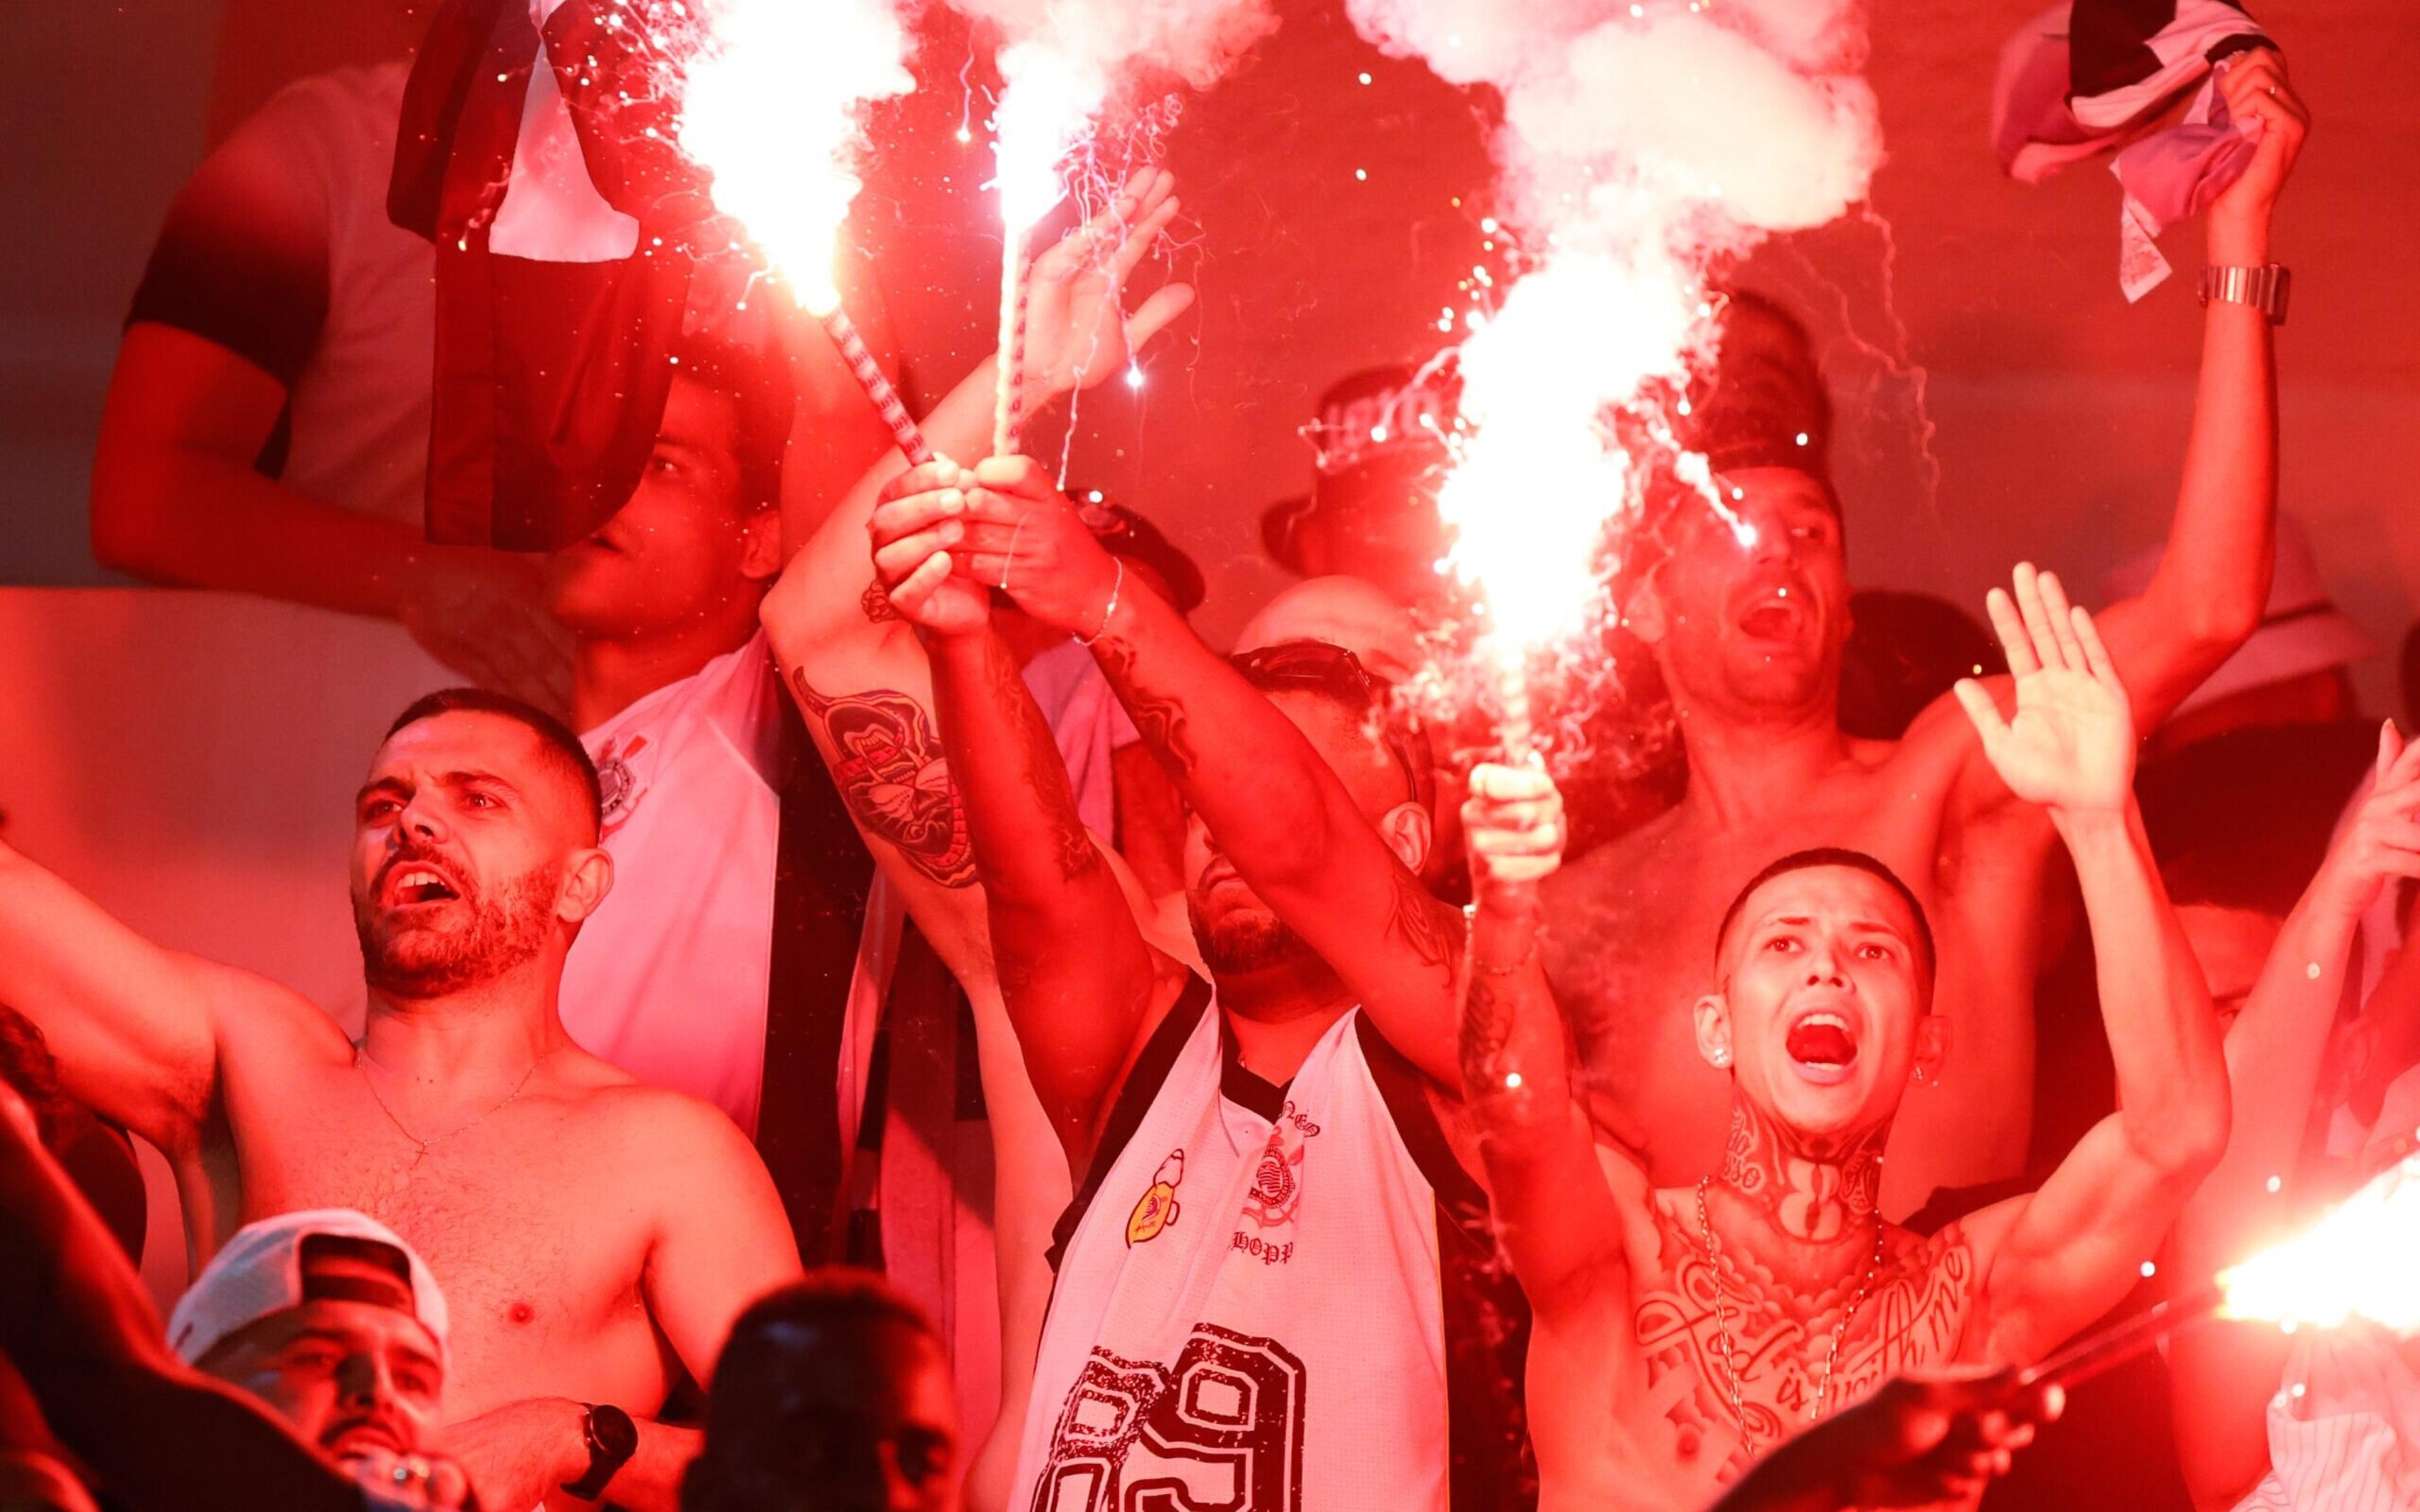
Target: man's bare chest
1739	1355
536	1245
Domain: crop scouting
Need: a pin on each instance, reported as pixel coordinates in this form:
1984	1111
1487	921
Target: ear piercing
1722	1058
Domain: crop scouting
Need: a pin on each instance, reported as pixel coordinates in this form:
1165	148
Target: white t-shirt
668	979
281	251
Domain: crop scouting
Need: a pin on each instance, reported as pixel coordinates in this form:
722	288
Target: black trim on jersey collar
1242	1086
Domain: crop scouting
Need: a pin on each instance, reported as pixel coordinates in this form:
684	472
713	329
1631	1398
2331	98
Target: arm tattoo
1416	922
1487	1010
886	760
1159	718
876	604
1072	845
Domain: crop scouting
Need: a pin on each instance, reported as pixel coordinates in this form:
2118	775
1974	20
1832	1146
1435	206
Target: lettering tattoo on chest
1784	1313
887	762
1158	716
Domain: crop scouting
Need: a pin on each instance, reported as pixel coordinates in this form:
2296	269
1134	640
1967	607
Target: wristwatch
612	1438
2262	288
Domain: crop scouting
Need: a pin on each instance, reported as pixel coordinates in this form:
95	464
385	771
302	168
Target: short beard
1242	945
505	930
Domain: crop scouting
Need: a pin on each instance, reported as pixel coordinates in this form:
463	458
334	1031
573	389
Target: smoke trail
1639	146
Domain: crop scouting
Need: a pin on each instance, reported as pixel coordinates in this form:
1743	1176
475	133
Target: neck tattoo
1811	1189
363	1060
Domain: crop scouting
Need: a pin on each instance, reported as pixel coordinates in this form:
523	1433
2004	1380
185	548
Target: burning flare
2362	1260
774	108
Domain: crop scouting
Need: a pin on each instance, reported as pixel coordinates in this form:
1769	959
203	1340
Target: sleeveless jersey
1276	1300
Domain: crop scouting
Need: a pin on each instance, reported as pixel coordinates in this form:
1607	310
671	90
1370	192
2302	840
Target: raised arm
2223	1376
1076	1011
135	1026
1558	1219
856	669
1278	811
2069	1252
76	1323
2212	582
2206	595
1078	334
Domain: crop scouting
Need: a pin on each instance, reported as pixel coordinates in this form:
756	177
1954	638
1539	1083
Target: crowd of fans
839	868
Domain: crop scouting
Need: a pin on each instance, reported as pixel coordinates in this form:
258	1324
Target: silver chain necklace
1729	1347
362	1060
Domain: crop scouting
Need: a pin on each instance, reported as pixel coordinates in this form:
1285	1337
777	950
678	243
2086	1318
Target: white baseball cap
2301	631
260	1272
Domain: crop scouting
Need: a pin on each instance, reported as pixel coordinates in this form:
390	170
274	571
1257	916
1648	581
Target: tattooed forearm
1487	1008
1159	718
876	604
1045	768
886	761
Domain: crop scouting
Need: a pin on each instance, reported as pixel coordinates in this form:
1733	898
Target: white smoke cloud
1061	60
1640	144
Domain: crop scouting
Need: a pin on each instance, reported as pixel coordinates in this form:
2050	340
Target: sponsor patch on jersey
1157	1208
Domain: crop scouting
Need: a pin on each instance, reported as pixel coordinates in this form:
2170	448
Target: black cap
1125	533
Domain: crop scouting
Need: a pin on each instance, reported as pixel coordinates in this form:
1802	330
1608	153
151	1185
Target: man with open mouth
1683	1331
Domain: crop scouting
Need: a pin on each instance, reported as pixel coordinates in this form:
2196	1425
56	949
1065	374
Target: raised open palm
1077	330
2071	744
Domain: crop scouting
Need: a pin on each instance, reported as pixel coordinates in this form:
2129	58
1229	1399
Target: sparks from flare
2356	1262
774	109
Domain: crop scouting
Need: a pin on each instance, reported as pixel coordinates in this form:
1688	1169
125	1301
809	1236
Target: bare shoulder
650	1126
258	1018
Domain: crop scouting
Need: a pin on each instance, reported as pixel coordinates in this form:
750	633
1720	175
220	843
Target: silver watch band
2263	288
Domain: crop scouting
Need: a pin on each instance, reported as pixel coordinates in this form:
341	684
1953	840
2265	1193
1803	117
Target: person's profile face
678	551
1753	603
460	838
349	1376
1823	989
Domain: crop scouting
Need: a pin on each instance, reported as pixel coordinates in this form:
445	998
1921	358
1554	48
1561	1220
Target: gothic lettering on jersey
887	762
1221	1431
1777	1338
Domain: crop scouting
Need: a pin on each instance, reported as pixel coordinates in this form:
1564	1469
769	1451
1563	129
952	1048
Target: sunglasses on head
1321	667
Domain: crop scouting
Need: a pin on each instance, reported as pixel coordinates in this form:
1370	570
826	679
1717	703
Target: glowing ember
2356	1262
774	108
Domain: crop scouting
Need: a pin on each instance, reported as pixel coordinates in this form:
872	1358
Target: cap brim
2294	648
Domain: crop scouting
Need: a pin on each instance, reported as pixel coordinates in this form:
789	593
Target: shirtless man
1748	641
594	1236
1682	1331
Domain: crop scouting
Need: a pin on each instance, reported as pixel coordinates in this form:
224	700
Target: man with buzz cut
1684	1331
596	1236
